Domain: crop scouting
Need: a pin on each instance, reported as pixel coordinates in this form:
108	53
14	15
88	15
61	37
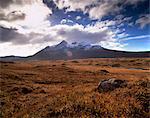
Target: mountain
61	45
76	51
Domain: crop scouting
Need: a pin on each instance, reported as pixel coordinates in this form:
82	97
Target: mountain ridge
63	50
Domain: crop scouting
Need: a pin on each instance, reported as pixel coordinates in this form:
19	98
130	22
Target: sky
27	26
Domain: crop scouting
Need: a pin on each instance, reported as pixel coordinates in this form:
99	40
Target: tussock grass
50	89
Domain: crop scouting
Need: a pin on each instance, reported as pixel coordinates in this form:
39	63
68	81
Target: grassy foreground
67	89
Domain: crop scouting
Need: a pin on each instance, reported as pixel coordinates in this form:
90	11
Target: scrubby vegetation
58	89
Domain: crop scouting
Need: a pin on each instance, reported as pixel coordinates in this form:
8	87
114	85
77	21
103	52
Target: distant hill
76	51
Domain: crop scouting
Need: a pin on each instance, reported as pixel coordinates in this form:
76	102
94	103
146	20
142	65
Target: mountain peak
62	44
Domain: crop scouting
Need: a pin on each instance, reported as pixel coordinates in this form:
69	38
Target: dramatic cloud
95	8
5	3
12	36
20	17
8	35
53	34
143	20
93	34
80	34
103	9
31	23
27	13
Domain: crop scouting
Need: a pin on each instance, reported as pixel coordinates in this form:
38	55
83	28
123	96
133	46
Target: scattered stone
2	103
42	91
25	90
63	64
97	64
74	61
116	65
104	71
110	84
22	90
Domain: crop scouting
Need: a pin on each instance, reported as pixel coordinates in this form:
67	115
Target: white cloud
113	45
74	5
64	21
136	37
103	9
122	35
133	2
95	8
143	20
78	17
119	17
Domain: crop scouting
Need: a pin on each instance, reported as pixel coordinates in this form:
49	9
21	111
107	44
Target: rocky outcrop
110	84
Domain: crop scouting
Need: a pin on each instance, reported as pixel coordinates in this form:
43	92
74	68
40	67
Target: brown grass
53	89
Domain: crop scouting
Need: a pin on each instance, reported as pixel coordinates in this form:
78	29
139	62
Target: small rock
42	91
104	71
110	84
26	90
2	103
116	65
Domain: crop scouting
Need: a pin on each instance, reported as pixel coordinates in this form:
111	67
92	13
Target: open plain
68	88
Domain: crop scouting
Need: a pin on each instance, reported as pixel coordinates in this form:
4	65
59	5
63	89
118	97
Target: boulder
110	84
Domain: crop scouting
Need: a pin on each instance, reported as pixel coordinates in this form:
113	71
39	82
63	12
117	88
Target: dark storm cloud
75	34
11	35
5	3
